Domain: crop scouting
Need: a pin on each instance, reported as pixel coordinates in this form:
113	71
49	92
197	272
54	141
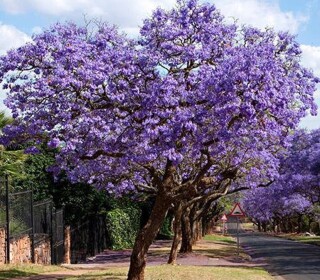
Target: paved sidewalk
110	258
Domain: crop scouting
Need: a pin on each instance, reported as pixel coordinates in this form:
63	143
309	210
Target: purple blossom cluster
191	87
296	190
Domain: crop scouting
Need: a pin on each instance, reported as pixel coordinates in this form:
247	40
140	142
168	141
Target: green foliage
2	217
315	240
80	201
219	238
16	226
4	120
37	177
228	202
315	228
18	271
122	226
304	223
11	161
165	230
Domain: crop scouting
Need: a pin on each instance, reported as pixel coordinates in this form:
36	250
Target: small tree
11	161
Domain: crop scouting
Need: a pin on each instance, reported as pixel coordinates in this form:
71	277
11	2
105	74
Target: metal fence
88	238
21	216
57	245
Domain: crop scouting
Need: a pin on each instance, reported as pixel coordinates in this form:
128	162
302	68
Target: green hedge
165	230
122	227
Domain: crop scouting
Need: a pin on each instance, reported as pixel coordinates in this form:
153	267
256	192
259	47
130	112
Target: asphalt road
282	258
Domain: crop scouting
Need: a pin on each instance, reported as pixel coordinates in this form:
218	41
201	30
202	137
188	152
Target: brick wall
42	250
2	245
20	249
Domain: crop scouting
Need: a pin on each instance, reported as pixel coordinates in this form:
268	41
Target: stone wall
2	245
42	250
20	249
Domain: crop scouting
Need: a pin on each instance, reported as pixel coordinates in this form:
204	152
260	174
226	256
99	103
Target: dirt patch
206	253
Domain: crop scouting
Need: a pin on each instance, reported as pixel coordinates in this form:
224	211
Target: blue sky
19	19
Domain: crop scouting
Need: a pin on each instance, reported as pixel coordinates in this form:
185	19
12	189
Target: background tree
11	160
295	192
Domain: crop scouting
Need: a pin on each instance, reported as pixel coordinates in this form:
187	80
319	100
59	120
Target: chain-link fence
2	204
20	213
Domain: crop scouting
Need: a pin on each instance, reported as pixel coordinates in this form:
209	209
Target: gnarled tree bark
148	233
146	236
186	243
177	235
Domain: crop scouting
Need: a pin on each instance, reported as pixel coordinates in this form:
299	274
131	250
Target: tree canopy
191	91
296	190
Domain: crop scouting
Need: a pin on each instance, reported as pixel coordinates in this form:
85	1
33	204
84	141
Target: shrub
165	230
122	227
315	228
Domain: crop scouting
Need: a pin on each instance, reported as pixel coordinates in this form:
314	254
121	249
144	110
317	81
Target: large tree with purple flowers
297	188
189	107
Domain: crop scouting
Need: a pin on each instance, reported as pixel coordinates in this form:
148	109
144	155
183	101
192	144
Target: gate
42	231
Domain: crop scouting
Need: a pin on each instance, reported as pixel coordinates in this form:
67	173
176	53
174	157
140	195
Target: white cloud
12	6
92	7
261	13
11	37
311	58
21	6
126	14
311	122
36	30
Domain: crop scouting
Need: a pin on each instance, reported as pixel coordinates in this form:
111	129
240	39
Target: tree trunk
197	231
283	225
146	236
207	228
177	235
259	226
186	244
264	226
200	229
273	225
299	223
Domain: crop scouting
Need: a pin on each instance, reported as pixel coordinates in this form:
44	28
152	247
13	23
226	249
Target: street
289	259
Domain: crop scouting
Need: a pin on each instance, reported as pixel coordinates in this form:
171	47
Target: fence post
67	245
6	178
51	235
32	230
